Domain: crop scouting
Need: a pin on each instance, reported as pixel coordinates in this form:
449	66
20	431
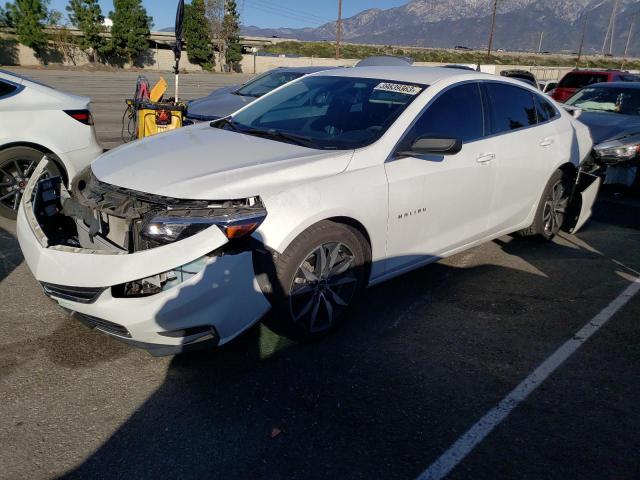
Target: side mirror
438	146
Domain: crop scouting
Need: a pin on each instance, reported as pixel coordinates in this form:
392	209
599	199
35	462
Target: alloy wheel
323	286
555	209
14	176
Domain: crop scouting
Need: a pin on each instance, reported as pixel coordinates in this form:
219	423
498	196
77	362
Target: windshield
622	100
267	82
327	112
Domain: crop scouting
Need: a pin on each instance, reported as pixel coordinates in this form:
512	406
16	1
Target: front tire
316	281
16	166
552	210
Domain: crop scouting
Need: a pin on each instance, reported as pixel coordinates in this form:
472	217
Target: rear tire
316	280
16	166
552	210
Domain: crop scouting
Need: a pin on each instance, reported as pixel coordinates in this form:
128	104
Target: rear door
438	203
526	143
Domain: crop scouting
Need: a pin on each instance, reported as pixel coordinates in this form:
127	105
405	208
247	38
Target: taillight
83	116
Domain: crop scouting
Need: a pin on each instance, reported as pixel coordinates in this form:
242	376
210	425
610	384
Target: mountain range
447	23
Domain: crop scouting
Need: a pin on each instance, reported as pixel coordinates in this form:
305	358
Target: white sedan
296	203
36	120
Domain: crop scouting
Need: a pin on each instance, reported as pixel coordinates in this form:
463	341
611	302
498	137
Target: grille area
103	325
73	294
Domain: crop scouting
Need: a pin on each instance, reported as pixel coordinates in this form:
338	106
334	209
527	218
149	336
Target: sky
262	13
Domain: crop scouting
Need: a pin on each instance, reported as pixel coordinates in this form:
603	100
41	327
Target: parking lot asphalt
423	358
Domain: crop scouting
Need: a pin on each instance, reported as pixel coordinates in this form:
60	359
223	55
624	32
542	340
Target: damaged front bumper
583	196
207	296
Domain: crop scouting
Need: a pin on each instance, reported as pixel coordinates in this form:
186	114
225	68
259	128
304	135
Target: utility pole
493	28
609	28
339	29
613	26
540	44
626	48
584	33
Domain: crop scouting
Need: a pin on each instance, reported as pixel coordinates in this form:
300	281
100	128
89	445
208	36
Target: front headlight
174	225
620	153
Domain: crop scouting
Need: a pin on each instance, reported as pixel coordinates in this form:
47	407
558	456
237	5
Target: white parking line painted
478	432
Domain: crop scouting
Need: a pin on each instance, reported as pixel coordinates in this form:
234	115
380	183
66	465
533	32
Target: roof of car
305	70
423	75
590	72
634	85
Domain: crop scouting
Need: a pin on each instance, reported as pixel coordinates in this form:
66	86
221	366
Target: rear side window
457	113
511	107
6	89
545	110
579	80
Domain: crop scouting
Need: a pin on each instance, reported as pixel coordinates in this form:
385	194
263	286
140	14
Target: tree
28	18
86	15
231	29
130	30
197	34
214	13
62	42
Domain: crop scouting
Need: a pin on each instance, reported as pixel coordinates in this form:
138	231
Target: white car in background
36	120
334	182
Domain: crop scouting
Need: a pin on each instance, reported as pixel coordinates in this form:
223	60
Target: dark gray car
612	113
224	101
610	110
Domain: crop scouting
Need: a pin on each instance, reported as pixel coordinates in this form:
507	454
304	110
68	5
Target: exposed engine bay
94	215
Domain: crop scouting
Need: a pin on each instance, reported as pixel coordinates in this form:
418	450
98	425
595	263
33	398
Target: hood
205	163
220	103
608	126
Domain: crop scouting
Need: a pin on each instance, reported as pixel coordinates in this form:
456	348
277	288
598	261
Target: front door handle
485	157
547	142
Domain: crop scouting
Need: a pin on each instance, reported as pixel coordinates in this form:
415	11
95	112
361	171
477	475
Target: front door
438	203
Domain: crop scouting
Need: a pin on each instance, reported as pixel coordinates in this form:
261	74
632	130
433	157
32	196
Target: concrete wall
12	53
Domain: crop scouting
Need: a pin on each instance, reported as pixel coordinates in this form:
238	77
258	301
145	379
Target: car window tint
6	89
544	109
511	107
579	80
457	113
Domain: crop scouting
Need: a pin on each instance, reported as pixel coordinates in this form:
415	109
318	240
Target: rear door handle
485	157
547	142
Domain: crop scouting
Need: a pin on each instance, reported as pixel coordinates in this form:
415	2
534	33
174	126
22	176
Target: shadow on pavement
421	358
10	255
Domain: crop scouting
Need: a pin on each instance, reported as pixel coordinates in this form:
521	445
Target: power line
288	13
294	11
305	21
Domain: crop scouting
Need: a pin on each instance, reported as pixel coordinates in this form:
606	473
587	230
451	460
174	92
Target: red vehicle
577	79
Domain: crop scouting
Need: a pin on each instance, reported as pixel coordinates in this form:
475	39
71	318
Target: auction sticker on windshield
399	88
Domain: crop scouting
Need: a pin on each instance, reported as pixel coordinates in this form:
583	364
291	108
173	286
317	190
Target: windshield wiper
224	121
290	137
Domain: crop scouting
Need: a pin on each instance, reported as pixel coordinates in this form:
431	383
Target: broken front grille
73	294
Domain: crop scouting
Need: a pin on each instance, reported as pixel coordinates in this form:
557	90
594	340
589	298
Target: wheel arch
45	150
568	168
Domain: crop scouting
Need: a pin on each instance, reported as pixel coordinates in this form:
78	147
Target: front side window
267	82
327	112
457	113
6	89
511	107
608	99
545	110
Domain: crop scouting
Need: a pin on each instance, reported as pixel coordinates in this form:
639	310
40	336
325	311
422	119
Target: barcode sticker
399	88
